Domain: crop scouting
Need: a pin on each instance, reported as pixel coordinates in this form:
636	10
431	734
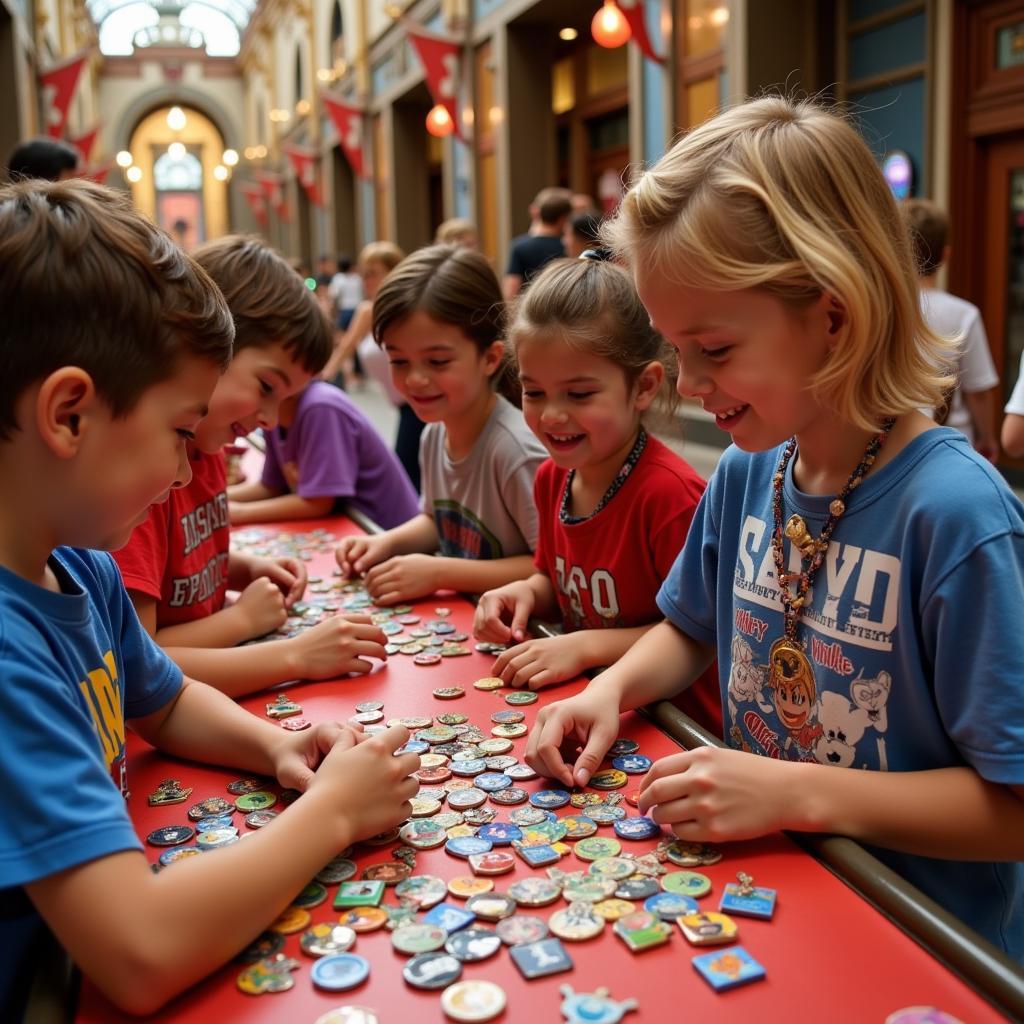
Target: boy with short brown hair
111	344
177	565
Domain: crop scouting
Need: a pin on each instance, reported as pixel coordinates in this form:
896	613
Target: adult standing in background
531	252
43	158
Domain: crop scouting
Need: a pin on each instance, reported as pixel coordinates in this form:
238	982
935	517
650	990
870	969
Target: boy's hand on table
541	662
370	786
713	795
336	646
513	604
299	754
402	578
356	555
261	606
589	720
289	574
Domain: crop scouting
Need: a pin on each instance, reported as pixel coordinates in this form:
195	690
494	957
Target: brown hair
929	230
453	285
786	197
387	254
87	281
592	306
553	204
453	230
268	300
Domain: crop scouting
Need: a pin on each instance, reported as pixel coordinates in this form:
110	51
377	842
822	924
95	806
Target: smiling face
578	404
747	356
249	395
438	370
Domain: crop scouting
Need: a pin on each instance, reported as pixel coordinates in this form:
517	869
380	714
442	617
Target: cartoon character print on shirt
872	696
462	534
746	680
794	691
841	726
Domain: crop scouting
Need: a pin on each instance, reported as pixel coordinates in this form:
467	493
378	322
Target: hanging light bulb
439	121
176	151
609	26
176	119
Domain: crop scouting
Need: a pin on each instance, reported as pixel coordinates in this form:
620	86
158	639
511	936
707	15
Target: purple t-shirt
337	453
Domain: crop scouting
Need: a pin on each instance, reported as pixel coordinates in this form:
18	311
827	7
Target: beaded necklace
788	650
567	518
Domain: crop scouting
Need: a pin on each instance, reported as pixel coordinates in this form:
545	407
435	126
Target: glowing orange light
609	26
439	121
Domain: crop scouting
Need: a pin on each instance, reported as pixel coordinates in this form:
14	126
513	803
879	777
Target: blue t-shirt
75	666
912	635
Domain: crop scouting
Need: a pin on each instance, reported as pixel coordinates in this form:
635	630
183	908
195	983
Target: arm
982	408
412	576
358	554
285	506
164	932
1013	435
511	285
515	602
357	330
256	490
225	628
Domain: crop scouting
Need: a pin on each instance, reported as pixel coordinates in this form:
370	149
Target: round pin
451	718
433	760
623	746
215	821
616	868
534	892
578	826
692	855
508	717
423	807
326	940
413	747
499	762
488	683
632	764
520	929
497	862
217	838
272	974
466	799
465	886
492	782
261	800
449	693
520	698
520	772
525	816
687	883
549	799
339	972
500	833
637	828
491	906
423	833
510	732
364	919
427	658
596	847
240	786
311	896
494	746
465	846
294	725
266	944
636	888
468	768
291	920
432	970
368	717
390	872
424	890
670	905
610	778
418	938
170	835
258	819
509	797
473	1001
576	923
349	1015
370	705
338	869
178	853
606	814
473	944
588	888
612	909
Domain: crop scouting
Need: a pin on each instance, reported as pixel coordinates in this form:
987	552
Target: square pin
539	959
358	894
748	901
728	968
449	917
537	856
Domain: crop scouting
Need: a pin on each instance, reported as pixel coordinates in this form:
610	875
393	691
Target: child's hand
261	606
357	554
288	573
512	603
586	719
338	645
403	578
300	753
712	795
369	785
541	662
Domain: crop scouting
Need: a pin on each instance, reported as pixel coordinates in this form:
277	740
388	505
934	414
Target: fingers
674	764
601	736
300	578
358	667
543	752
675	812
520	621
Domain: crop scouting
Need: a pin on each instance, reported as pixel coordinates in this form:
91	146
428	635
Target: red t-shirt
179	555
607	570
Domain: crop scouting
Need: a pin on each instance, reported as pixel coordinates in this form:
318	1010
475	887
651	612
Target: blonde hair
785	196
453	230
387	254
592	306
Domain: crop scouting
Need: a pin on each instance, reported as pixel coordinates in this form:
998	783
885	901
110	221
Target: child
177	566
970	404
376	261
438	318
323	452
887	699
614	504
113	340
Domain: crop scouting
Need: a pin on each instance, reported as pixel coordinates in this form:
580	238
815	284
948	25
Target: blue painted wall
654	87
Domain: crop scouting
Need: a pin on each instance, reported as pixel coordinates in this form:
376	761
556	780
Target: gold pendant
787	663
800	537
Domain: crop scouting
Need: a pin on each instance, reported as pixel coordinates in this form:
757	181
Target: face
574	244
131	462
373	273
578	404
249	395
438	370
747	356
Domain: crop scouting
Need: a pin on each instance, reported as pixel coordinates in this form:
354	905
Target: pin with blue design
449	917
170	835
549	799
748	900
593	1007
340	972
537	856
637	828
466	846
727	969
670	905
500	833
492	782
632	764
539	959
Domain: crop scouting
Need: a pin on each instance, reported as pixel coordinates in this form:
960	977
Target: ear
66	404
647	385
492	357
837	321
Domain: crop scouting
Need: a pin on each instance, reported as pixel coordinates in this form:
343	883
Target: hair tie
595	255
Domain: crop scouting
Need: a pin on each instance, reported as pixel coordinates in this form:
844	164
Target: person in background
583	233
582	202
346	292
48	159
531	252
457	231
324	454
970	406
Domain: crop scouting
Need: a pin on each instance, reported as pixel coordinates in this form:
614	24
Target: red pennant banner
348	123
84	143
271	184
257	202
304	161
440	60
97	172
57	89
633	12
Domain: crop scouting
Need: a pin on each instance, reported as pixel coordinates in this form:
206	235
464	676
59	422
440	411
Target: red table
829	954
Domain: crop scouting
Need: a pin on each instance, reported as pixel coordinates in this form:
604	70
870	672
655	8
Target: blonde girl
614	504
438	318
845	537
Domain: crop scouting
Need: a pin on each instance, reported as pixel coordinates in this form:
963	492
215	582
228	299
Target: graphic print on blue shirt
102	695
462	534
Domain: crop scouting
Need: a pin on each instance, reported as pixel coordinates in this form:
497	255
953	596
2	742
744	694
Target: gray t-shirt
483	505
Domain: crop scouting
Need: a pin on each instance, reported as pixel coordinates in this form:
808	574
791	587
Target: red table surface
829	955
